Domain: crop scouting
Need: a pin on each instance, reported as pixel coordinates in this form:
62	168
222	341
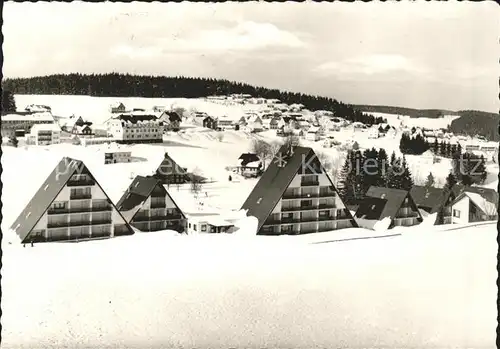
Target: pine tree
406	179
14	141
451	181
347	181
8	101
435	147
382	168
430	181
394	173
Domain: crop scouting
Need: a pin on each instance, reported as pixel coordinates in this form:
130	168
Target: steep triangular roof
276	179
137	193
429	197
48	192
169	166
381	202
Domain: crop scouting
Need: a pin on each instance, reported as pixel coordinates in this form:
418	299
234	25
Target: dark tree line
362	170
474	122
125	85
418	145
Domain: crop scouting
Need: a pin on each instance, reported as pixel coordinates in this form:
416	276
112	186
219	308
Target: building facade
296	196
70	205
44	134
114	157
136	128
23	121
147	206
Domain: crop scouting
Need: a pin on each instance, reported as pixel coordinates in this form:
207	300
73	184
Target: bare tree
291	141
262	149
196	182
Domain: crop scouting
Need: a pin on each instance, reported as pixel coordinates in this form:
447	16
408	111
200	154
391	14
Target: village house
224	123
116	156
276	122
159	108
169	172
373	133
434	200
208	224
313	135
117	108
70	205
381	203
20	123
171	120
147	206
296	196
136	128
44	134
249	165
254	124
210	122
474	204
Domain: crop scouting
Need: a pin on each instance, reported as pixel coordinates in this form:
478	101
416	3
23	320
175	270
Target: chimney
166	154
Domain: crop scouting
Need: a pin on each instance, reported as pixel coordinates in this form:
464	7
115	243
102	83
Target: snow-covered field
417	287
422	289
428	123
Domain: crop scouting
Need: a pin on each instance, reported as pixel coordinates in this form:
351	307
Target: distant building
117	108
208	224
210	122
313	135
169	172
381	203
296	196
22	121
136	128
70	205
224	123
37	108
147	206
171	120
44	134
117	156
249	165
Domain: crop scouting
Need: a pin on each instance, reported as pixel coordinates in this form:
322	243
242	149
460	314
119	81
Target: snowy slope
405	120
421	289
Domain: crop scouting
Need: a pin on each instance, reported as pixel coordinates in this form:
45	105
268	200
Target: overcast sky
421	55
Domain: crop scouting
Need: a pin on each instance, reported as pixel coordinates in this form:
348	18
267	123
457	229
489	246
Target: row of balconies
308	208
56	211
157	218
78	223
303	220
80	182
308	195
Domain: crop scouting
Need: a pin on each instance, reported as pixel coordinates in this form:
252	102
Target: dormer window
259	201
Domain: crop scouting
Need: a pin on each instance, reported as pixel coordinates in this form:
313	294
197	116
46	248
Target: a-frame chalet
296	196
70	205
147	206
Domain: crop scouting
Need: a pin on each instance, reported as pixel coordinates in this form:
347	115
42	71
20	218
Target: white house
312	135
136	128
208	224
475	204
117	156
37	108
23	121
254	124
44	134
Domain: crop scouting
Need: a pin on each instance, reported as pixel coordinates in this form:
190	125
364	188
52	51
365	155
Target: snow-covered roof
44	116
485	206
45	127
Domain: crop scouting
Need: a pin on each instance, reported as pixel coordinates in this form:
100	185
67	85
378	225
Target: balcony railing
57	224
309	183
56	211
327	195
80	196
407	215
308	208
80	183
161	204
156	194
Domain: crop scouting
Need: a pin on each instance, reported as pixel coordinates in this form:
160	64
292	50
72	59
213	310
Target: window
194	227
189	225
373	207
258	201
456	213
203	227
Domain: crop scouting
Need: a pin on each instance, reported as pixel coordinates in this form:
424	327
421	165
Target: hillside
126	85
472	122
413	113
